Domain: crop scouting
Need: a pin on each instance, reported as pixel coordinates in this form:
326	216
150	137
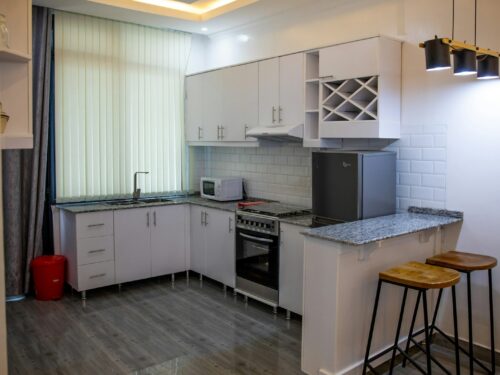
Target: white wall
467	108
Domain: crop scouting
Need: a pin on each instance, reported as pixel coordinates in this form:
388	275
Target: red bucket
48	275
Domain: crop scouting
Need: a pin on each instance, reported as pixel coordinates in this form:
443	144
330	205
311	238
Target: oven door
257	257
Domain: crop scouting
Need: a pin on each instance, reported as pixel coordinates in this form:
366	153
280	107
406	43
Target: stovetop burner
276	209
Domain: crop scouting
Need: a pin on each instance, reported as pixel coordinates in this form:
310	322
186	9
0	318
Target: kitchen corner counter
79	208
381	228
301	221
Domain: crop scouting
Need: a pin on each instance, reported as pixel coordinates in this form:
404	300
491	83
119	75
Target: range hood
278	133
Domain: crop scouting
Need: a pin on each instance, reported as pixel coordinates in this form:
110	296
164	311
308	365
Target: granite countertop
380	228
302	220
84	207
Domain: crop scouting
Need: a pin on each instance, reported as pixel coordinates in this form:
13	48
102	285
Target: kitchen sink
129	202
155	200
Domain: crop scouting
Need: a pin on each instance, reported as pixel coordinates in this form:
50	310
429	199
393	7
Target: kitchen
291	59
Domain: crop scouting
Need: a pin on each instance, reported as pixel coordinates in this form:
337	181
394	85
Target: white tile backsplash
283	171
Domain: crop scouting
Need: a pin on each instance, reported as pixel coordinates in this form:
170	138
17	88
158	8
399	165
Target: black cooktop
276	209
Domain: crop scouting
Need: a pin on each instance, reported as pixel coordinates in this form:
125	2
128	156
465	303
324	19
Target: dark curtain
25	171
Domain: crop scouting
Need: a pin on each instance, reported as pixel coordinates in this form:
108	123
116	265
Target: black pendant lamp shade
464	62
487	67
437	55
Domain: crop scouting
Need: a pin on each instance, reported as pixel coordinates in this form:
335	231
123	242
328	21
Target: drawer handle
97	276
96	251
95	225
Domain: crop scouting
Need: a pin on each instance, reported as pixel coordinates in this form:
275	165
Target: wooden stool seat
422	276
465	262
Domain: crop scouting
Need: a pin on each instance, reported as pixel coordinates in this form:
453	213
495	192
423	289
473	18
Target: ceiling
231	14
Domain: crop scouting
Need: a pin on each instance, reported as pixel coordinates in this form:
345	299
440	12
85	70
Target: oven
257	257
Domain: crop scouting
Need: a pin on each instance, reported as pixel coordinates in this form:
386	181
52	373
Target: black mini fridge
353	185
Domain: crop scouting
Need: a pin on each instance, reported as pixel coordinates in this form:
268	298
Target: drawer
94	224
95	249
96	275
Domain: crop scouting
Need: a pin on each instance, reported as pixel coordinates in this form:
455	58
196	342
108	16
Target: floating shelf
9	55
313	80
350	100
312	110
16	141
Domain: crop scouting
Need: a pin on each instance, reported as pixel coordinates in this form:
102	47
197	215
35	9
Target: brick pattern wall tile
421	166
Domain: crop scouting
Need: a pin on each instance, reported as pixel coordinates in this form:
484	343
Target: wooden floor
154	328
151	328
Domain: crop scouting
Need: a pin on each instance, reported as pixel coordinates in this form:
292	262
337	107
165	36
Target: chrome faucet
137	192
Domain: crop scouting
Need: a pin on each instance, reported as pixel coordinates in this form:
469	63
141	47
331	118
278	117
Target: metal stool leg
412	326
427	337
469	312
438	302
492	323
398	330
372	325
455	328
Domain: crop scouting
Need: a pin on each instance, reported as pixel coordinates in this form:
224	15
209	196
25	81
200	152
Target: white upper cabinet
281	91
269	92
350	60
360	89
240	102
291	108
194	108
213	107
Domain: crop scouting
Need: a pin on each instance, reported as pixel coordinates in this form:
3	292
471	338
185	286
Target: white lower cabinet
132	244
212	244
291	268
168	240
149	242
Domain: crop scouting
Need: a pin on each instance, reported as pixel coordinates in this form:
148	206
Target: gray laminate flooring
152	327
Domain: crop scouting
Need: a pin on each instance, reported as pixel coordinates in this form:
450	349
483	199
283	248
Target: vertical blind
119	106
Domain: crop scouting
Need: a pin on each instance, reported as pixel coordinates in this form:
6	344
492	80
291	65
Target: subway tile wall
283	171
421	166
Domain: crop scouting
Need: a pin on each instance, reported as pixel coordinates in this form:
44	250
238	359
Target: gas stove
275	209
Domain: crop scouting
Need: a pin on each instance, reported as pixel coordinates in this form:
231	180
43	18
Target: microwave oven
221	188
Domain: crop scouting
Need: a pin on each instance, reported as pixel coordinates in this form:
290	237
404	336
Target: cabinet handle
95	225
246	131
221	132
201	218
154	218
97	276
218	132
199	132
279	114
274	113
96	251
230	222
147	219
206	219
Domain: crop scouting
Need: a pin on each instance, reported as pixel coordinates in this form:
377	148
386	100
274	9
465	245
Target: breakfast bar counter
341	268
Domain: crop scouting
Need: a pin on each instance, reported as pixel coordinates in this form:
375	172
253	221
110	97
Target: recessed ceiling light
196	8
243	38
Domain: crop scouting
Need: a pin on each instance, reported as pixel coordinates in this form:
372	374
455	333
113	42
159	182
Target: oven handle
256	238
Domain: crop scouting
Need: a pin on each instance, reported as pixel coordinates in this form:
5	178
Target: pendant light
437	55
468	59
487	67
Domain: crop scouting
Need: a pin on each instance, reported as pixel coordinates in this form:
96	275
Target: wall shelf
16	141
9	55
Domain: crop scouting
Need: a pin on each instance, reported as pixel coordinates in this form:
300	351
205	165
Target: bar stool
420	277
468	263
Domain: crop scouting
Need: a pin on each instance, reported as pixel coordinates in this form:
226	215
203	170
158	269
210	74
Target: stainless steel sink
123	202
155	200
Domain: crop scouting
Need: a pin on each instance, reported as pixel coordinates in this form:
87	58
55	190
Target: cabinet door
212	105
240	102
197	240
168	240
269	75
194	108
132	244
291	268
291	109
350	60
220	247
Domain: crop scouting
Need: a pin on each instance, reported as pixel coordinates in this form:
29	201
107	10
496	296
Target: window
119	106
